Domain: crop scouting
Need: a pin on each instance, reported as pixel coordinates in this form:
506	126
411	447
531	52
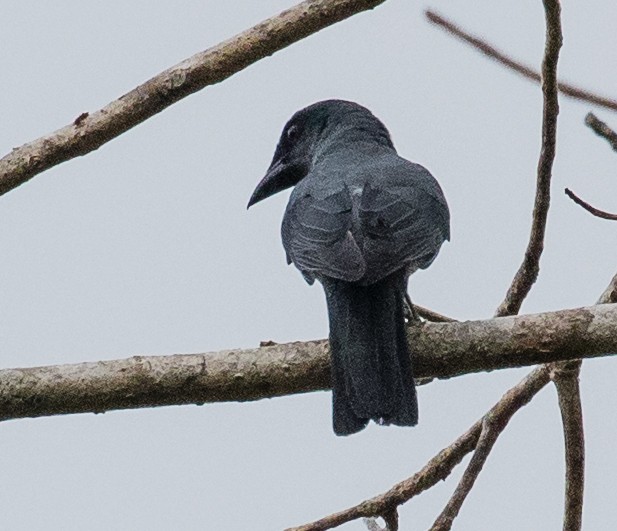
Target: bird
360	220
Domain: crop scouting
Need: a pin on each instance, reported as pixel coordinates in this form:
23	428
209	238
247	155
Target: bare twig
589	208
91	130
487	49
432	316
439	350
565	376
601	129
529	269
488	437
440	466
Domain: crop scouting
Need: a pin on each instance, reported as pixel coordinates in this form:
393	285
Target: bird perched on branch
360	220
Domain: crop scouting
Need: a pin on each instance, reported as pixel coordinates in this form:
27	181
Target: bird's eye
292	132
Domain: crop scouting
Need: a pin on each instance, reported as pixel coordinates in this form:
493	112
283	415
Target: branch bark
601	129
439	350
90	131
530	267
565	376
488	436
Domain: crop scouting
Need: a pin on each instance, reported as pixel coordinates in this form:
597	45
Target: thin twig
565	376
589	208
440	466
530	267
90	131
432	316
601	129
488	437
487	49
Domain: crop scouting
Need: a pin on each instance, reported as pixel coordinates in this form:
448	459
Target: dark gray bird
360	220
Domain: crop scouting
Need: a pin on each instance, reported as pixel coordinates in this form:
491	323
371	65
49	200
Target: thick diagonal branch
90	131
439	350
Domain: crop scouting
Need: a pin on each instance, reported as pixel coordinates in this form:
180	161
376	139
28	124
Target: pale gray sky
146	247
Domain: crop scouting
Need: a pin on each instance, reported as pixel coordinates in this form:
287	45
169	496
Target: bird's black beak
280	176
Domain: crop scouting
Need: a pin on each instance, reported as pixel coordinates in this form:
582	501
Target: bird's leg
410	312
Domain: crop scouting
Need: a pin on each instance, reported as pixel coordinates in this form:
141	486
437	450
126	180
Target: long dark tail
371	369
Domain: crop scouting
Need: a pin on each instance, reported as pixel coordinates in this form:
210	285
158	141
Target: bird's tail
371	367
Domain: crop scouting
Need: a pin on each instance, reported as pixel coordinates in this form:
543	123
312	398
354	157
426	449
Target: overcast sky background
145	247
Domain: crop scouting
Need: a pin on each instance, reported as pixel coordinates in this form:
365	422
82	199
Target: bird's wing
317	236
403	222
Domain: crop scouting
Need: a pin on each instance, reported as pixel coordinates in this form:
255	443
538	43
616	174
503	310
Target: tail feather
371	368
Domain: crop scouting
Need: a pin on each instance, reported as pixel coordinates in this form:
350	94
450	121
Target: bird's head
309	130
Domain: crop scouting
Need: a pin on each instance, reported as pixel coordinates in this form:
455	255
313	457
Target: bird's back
358	218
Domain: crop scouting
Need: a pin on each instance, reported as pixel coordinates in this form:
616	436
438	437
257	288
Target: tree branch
439	350
601	129
491	429
90	131
589	208
432	316
565	376
487	49
440	466
529	269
